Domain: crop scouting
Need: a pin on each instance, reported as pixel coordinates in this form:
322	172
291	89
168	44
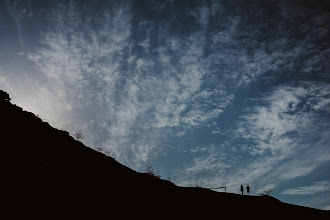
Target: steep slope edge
44	167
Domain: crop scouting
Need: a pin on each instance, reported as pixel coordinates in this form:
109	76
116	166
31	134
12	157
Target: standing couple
247	189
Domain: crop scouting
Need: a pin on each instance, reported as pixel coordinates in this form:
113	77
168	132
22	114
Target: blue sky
210	93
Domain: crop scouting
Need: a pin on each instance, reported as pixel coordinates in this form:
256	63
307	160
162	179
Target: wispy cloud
316	187
285	119
19	10
201	14
81	62
122	99
284	126
279	128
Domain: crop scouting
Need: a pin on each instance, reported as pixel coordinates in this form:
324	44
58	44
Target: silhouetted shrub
266	193
78	135
150	171
107	152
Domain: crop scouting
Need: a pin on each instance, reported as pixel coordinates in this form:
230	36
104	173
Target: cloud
201	14
181	133
277	142
327	207
284	127
81	65
123	100
307	159
184	85
284	119
316	187
203	168
18	11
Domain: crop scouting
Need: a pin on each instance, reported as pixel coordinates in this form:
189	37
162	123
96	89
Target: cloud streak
316	187
19	10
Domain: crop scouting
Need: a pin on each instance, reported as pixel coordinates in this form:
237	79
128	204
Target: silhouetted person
248	189
242	189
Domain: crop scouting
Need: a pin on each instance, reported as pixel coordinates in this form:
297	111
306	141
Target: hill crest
44	167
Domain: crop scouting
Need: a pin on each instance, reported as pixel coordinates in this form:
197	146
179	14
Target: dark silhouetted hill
46	173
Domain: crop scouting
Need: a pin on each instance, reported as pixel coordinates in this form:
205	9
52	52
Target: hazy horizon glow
210	93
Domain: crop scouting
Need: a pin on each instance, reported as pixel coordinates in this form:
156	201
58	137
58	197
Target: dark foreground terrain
46	173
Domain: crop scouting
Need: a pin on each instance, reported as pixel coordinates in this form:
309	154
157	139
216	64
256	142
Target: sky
208	93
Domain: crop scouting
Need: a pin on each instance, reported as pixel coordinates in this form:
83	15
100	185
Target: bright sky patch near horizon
210	93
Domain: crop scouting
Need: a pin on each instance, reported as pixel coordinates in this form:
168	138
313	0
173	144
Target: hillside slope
44	170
